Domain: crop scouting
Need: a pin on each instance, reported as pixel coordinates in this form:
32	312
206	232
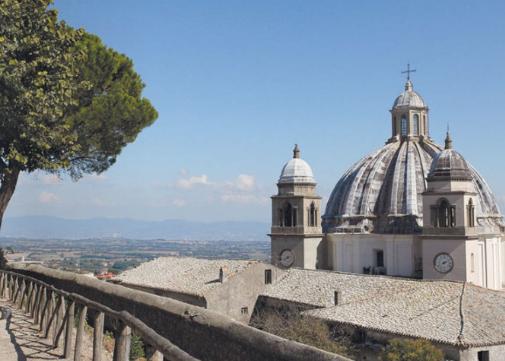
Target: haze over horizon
237	84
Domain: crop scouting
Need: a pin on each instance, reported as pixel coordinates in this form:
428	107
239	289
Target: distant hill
43	227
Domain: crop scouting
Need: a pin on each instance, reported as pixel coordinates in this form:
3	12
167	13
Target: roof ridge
462	320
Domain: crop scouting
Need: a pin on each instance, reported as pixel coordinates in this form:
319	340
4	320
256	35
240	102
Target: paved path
21	341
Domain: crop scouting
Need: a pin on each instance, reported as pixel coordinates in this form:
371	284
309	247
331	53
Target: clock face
287	258
443	263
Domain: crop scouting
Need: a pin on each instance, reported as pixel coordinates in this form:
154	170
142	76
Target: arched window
415	130
470	209
403	125
288	215
446	214
312	215
281	217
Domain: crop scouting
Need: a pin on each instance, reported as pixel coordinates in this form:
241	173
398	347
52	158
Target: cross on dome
408	71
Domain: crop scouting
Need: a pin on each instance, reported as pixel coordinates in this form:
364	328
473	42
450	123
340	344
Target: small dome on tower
297	170
409	98
449	165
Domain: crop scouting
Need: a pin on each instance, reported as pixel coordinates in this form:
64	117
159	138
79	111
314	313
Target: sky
238	83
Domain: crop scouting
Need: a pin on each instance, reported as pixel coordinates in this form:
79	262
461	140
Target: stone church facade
411	209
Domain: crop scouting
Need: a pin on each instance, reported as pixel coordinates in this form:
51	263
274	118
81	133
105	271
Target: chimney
337	298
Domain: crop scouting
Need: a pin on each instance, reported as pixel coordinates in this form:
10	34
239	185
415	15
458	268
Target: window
281	218
379	258
244	311
312	215
472	262
288	215
268	276
470	209
415	131
403	125
446	215
483	355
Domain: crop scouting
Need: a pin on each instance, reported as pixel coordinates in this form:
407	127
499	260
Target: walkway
21	341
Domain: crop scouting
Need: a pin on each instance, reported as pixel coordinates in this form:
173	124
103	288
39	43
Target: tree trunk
7	188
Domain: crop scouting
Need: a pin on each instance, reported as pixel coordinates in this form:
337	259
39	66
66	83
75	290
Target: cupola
409	114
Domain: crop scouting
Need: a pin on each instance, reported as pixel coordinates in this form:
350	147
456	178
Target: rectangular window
472	262
244	311
379	258
483	355
268	276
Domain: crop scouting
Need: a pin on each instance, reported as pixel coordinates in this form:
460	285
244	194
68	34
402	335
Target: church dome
382	192
297	170
409	98
449	165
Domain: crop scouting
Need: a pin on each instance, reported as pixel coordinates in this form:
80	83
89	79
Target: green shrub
307	330
412	350
136	348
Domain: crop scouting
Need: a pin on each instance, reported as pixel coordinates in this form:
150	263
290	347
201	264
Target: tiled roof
183	274
455	313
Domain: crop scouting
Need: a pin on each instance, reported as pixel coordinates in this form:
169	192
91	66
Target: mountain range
47	227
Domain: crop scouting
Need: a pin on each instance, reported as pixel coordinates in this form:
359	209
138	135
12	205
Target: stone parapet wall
202	333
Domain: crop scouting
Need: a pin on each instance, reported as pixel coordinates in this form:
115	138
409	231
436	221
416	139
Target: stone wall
200	332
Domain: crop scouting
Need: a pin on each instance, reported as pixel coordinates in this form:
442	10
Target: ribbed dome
409	98
383	191
297	170
449	165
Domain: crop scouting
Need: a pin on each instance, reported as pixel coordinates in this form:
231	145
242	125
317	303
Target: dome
409	98
297	170
449	165
382	192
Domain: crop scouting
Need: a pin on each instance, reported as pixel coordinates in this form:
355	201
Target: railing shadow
7	316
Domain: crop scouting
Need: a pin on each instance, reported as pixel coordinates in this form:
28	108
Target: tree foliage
68	103
412	350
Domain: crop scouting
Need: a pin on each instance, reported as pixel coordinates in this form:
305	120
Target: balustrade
54	311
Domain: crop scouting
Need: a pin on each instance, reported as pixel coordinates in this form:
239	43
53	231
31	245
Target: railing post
35	299
16	289
69	320
39	303
60	319
55	306
98	336
80	332
2	284
123	339
23	292
45	309
29	291
154	355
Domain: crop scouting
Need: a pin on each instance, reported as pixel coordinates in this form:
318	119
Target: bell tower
454	246
296	233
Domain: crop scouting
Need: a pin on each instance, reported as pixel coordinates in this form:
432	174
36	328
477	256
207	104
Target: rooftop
183	274
455	313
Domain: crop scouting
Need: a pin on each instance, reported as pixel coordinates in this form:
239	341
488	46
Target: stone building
410	209
463	320
229	287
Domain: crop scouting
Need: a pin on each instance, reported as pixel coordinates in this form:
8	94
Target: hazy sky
237	83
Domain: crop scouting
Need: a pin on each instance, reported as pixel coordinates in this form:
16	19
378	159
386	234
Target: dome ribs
375	180
384	189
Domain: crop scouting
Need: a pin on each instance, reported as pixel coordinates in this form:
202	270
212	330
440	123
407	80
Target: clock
287	258
443	263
